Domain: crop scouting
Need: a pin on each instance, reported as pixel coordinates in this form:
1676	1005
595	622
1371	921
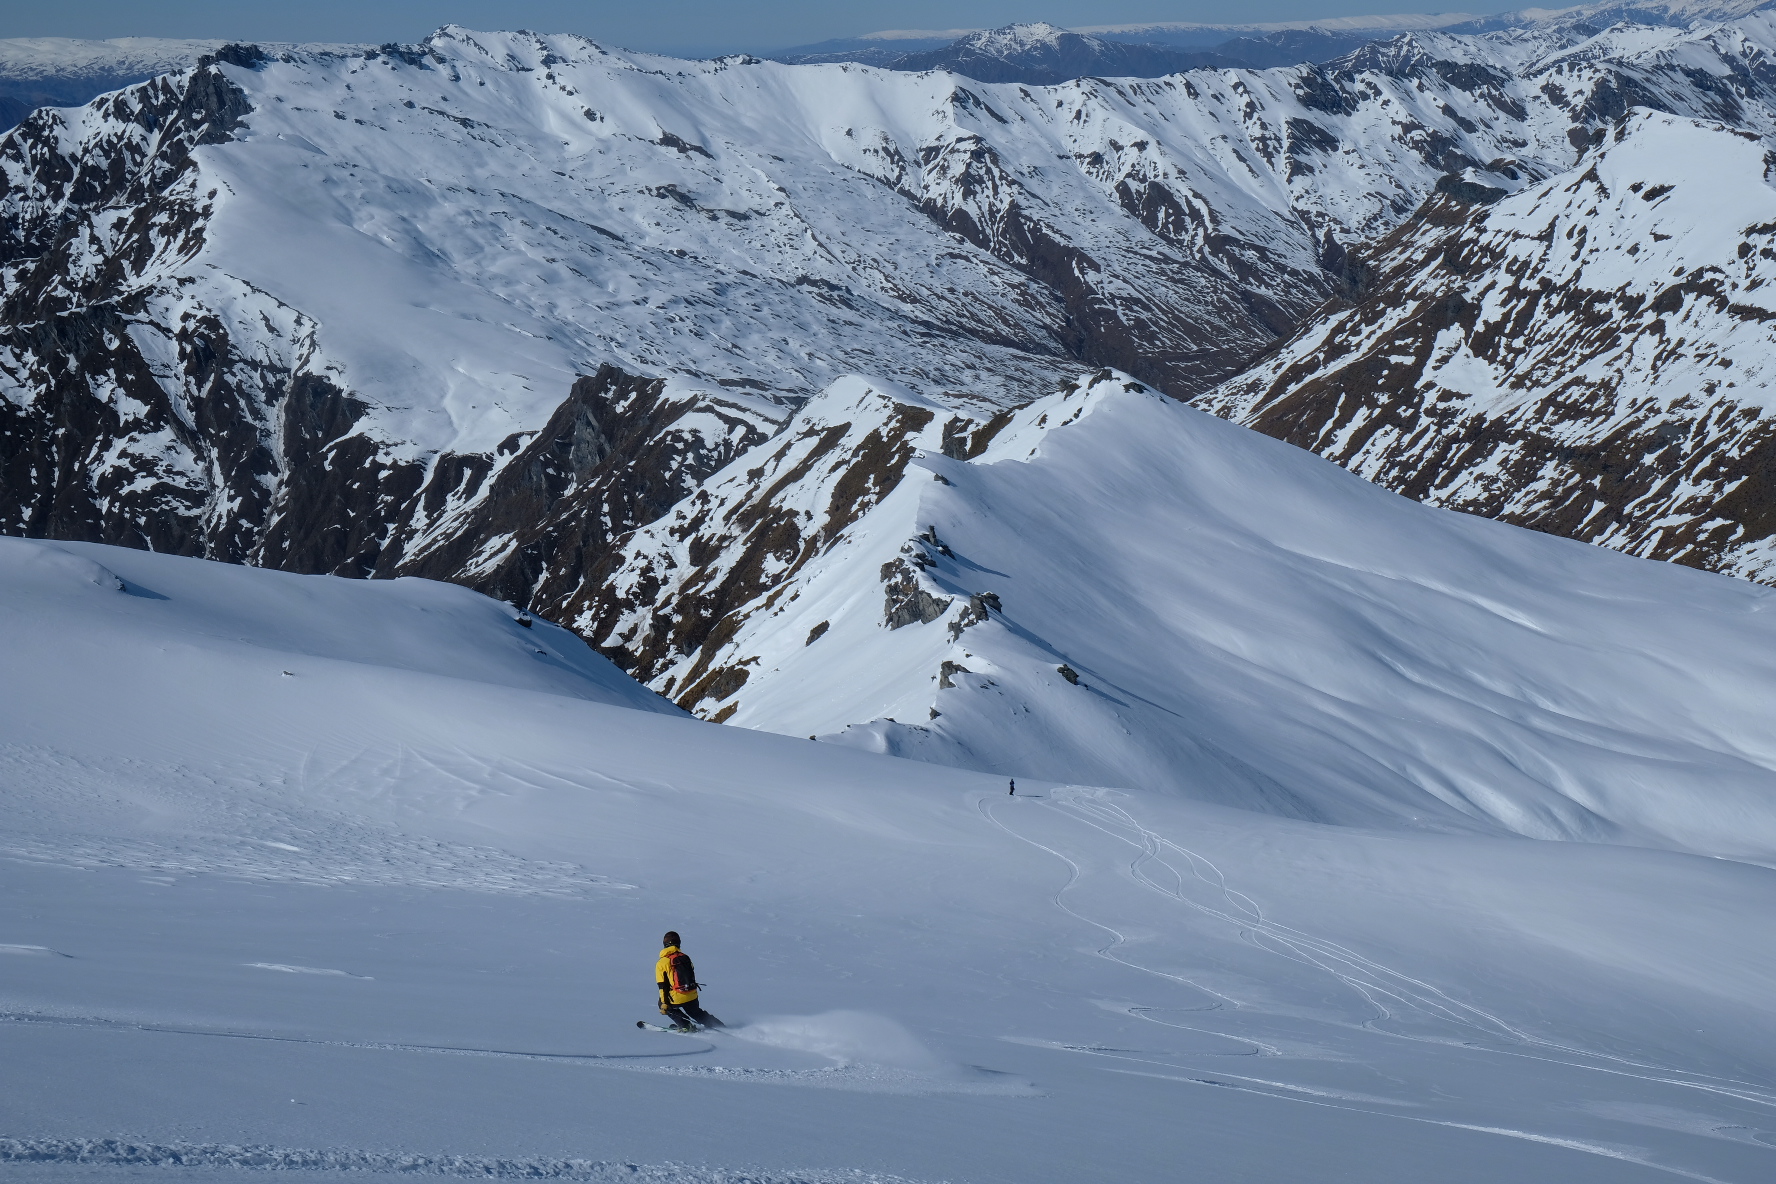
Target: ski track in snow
1627	1154
853	1075
1376	984
373	1045
861	1078
819	870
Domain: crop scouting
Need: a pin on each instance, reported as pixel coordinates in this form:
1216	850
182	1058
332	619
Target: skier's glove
662	1009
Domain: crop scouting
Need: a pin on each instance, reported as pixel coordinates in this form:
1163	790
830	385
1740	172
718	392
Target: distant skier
1012	792
677	981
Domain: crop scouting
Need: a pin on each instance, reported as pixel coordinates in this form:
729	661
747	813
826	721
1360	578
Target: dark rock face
147	424
652	606
71	338
1468	192
1224	297
906	603
618	453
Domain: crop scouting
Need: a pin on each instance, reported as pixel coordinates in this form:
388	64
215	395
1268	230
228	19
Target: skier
1012	792
677	981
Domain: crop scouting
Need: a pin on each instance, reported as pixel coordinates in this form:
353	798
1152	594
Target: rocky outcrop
821	519
678	591
905	601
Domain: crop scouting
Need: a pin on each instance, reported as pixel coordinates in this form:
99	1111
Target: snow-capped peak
1016	38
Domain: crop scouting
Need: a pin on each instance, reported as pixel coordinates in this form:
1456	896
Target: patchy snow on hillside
1589	356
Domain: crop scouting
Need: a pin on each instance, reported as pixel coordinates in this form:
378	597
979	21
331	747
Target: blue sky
672	26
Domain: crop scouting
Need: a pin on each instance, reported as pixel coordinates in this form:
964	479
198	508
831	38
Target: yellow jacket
663	980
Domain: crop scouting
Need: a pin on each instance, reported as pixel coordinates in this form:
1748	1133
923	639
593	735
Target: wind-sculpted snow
1588	357
1107	587
289	627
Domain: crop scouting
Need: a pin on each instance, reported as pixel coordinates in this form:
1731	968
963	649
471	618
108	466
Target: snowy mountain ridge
303	269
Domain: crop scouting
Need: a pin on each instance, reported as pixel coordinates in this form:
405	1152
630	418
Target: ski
663	1028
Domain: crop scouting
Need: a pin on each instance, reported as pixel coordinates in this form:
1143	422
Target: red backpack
681	976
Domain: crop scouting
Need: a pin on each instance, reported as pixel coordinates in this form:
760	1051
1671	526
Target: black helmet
671	938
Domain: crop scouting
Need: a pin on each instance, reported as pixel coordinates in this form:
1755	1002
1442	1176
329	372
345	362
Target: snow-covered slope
395	911
268	620
1588	357
1112	588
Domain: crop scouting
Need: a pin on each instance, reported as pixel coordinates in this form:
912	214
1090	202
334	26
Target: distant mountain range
66	72
1041	54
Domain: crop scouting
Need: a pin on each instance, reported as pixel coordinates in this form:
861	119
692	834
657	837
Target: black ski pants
692	1015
